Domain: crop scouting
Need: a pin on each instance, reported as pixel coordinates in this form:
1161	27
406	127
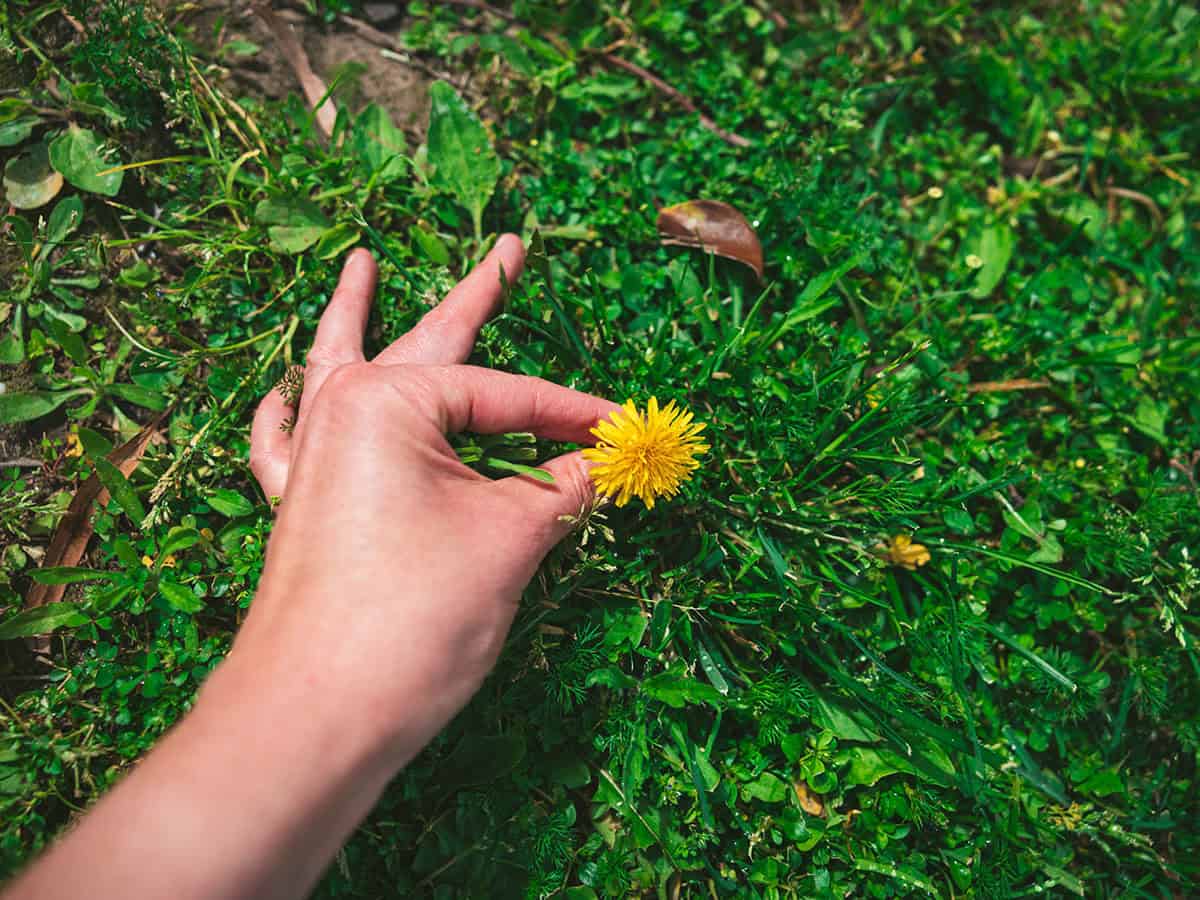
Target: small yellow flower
147	562
74	446
206	533
169	562
904	553
974	261
645	455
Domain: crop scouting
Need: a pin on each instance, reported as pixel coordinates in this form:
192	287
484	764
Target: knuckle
320	357
351	387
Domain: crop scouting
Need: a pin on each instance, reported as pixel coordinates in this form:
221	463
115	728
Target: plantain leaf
464	163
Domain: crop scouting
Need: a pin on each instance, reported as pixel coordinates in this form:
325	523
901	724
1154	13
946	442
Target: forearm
249	796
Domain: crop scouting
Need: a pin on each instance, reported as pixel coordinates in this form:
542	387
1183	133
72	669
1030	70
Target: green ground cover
976	330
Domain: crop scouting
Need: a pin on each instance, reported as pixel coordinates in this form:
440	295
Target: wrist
281	720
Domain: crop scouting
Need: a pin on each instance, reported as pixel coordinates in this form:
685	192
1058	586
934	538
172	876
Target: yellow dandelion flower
906	554
645	455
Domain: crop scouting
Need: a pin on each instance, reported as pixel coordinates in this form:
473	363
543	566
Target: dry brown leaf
810	802
312	85
714	227
75	529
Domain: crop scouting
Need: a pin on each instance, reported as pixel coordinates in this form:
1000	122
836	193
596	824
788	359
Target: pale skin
392	576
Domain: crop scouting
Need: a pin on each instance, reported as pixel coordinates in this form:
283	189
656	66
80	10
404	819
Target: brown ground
399	88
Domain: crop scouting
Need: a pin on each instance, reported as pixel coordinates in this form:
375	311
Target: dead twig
484	7
315	91
1002	387
682	99
614	61
395	50
1137	197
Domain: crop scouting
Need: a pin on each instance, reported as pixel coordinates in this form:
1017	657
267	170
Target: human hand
394	570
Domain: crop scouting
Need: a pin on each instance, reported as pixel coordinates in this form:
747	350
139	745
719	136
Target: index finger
484	401
446	334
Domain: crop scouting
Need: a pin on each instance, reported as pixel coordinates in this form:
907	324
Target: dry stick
1000	387
682	99
646	75
382	39
314	88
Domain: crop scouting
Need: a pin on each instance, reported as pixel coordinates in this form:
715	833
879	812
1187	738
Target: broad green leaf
460	153
42	620
25	406
68	575
64	219
12	350
139	395
178	538
78	156
380	143
29	179
120	489
180	597
229	503
847	724
1150	418
295	223
71	343
431	245
869	764
677	691
995	249
16	130
766	787
336	241
107	600
89	97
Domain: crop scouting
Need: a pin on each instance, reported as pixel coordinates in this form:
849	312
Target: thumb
553	509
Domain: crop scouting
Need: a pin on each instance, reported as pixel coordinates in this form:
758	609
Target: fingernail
506	239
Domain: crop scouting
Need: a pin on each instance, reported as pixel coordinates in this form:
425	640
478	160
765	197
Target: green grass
736	694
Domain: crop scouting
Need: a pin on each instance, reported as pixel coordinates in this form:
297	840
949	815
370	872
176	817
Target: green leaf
869	764
12	351
120	489
25	406
1150	419
336	241
710	668
995	249
846	724
431	245
295	223
460	153
67	575
229	503
94	443
177	539
89	97
77	155
767	788
380	144
42	620
29	179
16	130
139	395
532	471
677	691
64	219
72	344
180	597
